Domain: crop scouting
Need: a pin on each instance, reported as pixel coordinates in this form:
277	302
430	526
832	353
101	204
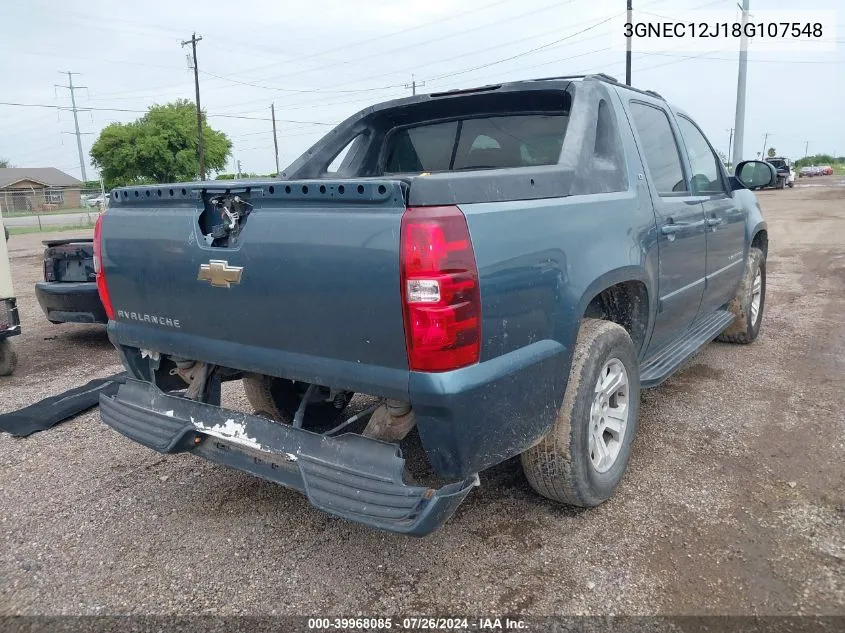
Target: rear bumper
72	302
350	476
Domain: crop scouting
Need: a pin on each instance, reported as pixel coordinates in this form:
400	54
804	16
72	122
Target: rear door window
660	149
479	143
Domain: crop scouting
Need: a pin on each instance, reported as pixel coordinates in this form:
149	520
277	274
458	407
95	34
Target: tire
780	183
8	358
790	184
746	327
278	398
561	466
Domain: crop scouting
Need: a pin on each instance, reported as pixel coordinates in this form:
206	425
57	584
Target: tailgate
311	276
69	260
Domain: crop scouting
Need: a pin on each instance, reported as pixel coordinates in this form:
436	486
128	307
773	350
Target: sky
321	61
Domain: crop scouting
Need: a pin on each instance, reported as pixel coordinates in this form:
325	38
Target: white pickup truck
9	322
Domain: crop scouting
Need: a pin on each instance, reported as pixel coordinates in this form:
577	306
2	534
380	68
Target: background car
96	202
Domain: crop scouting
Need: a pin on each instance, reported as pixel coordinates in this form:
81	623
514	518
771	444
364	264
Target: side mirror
756	173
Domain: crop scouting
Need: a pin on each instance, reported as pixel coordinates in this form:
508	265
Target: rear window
479	143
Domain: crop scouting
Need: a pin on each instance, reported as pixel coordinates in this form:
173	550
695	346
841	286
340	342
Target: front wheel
748	302
582	458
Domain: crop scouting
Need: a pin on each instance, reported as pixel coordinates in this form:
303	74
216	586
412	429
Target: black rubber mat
49	412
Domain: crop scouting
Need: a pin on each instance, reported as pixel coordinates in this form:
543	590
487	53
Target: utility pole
739	123
628	47
806	145
413	85
72	88
275	140
765	138
193	42
239	168
730	142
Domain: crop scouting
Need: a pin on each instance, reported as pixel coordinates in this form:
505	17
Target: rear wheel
748	302
279	398
8	358
584	455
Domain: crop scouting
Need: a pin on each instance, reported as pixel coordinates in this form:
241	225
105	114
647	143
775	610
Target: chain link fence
45	207
48	200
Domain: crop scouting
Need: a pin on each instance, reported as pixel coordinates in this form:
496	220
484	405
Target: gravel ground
734	501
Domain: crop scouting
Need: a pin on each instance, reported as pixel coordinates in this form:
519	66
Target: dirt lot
734	501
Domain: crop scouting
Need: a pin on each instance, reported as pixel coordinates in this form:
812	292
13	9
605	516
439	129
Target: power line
130	110
293	90
497	46
762	61
448	18
528	52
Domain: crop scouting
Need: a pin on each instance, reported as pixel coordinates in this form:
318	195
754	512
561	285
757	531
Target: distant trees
819	159
244	174
772	152
4	163
159	147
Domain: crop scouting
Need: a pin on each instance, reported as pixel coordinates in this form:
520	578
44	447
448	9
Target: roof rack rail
602	76
655	94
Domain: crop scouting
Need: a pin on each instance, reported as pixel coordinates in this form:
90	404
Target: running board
667	361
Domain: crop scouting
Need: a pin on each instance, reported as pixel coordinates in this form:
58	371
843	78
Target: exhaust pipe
391	422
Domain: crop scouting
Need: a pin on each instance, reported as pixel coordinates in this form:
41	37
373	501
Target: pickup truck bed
68	293
500	269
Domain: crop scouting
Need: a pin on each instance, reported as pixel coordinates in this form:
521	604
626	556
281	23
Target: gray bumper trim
350	476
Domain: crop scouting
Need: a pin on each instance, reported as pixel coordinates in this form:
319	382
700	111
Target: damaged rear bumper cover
350	476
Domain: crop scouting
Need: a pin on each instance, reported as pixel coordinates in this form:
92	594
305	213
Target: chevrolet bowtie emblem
220	274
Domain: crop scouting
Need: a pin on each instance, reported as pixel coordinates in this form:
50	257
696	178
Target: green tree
4	163
772	153
816	159
159	147
724	159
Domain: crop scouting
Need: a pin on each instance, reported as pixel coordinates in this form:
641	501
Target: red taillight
102	288
440	292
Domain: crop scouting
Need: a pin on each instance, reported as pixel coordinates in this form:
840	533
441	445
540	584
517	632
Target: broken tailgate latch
231	209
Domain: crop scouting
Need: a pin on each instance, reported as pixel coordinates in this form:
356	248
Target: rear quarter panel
540	263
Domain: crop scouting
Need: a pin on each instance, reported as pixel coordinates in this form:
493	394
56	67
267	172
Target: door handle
671	229
713	221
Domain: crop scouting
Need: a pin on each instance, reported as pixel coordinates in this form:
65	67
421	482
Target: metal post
73	90
765	138
739	123
730	143
628	48
275	139
193	42
413	85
